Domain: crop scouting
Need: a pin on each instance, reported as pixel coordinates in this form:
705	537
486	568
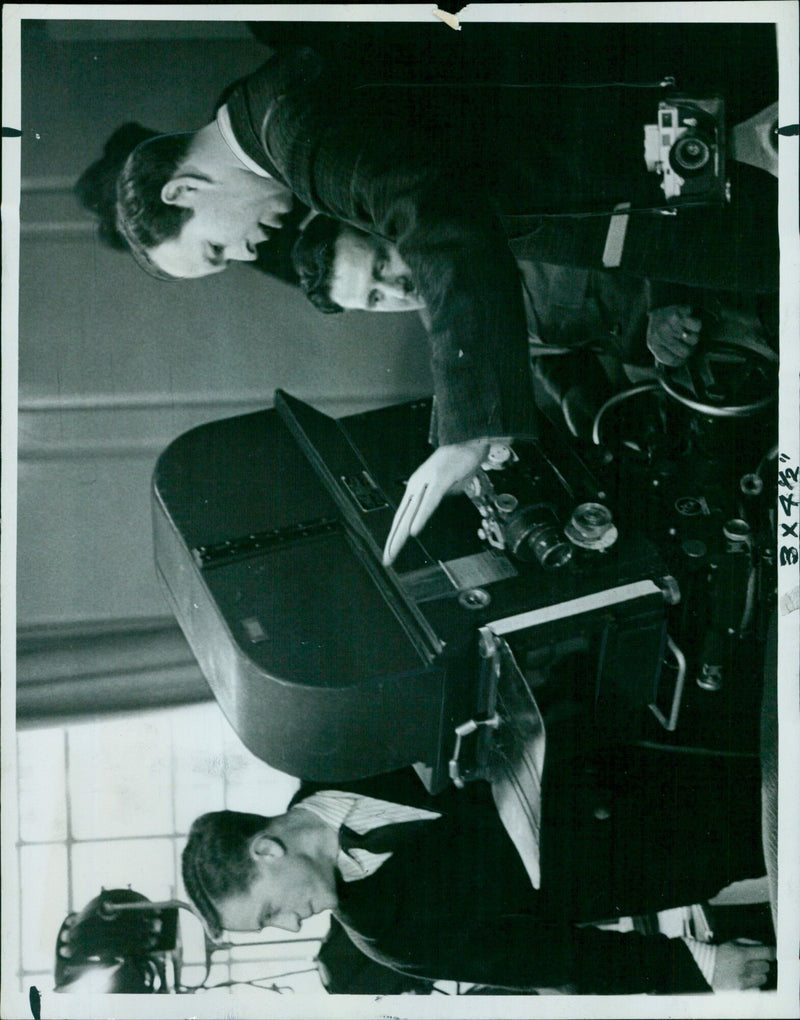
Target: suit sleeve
464	269
523	953
376	167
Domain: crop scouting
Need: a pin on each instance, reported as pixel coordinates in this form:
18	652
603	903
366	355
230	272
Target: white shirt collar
223	119
362	814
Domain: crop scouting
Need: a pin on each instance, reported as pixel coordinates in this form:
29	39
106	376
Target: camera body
523	511
687	148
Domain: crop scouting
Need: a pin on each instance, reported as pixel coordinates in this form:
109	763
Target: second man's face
369	274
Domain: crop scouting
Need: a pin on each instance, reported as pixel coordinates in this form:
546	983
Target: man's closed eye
216	254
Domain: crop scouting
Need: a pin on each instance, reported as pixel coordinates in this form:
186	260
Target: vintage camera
521	520
687	148
525	518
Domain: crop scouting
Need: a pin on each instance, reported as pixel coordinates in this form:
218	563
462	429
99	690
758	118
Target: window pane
44	884
309	983
119	779
194	975
193	940
127	789
199	763
146	865
268	974
44	982
279	953
252	785
42	789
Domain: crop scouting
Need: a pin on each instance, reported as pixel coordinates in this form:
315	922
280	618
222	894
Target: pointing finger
420	514
429	501
398	531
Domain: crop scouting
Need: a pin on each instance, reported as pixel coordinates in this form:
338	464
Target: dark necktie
381	840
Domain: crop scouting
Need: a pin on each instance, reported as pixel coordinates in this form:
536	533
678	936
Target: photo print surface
400	497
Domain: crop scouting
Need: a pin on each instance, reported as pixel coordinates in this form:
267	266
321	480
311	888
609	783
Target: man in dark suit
340	268
458	179
610	324
433	886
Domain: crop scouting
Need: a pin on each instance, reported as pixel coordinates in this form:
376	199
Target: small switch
253	629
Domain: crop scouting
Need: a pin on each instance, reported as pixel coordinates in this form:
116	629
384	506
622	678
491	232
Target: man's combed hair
312	258
96	188
216	862
143	218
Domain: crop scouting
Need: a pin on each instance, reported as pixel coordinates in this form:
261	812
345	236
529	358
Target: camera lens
690	155
534	534
549	547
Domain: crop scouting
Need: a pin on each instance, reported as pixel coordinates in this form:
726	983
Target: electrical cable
618	398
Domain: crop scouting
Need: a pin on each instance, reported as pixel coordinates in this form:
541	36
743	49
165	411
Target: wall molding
57	230
116	425
47	185
93	668
50	210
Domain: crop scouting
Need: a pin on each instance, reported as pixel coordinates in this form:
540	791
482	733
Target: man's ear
266	847
179	190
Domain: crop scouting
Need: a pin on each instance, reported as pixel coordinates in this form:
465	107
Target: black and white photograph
401	468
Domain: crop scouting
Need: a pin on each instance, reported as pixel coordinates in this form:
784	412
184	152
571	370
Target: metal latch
670	723
462	731
489	647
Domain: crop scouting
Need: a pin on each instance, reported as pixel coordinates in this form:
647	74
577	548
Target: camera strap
615	238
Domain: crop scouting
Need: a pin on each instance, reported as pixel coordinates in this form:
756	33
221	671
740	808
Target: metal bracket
221	553
670	724
462	731
489	647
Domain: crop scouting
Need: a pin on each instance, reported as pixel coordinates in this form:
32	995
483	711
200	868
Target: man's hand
672	334
446	470
740	966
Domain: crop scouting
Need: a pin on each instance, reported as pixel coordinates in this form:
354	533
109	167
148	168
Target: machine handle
461	731
670	724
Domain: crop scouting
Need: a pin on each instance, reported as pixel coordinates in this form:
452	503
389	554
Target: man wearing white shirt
434	887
